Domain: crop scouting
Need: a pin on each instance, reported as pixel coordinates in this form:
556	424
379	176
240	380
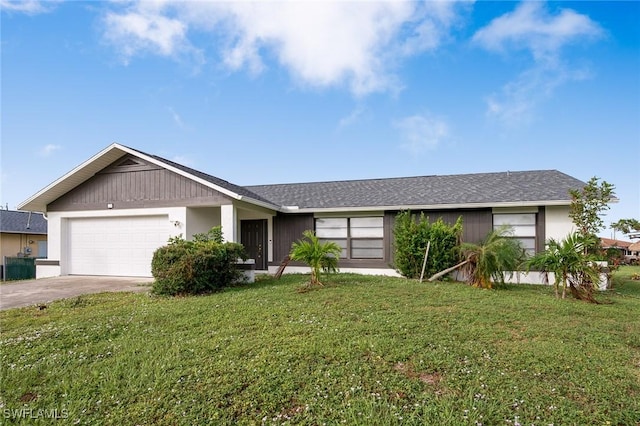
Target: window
359	237
523	227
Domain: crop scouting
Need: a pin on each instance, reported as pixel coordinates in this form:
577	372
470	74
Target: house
108	215
22	234
634	253
622	246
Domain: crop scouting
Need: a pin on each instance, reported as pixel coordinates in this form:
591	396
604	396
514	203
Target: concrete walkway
33	292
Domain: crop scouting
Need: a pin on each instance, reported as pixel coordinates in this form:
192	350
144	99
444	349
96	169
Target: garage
115	246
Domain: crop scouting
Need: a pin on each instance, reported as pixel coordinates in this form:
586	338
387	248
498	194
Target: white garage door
118	246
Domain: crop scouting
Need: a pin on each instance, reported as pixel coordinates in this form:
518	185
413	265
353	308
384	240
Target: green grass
362	350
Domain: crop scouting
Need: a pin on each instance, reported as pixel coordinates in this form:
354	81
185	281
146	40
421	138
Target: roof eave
264	204
295	209
26	231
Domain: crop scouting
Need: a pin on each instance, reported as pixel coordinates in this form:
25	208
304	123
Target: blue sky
269	92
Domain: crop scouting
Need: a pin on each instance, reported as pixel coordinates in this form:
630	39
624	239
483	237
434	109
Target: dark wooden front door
253	236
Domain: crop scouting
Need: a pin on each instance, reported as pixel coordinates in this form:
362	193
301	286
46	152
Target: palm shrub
490	260
570	264
317	255
411	236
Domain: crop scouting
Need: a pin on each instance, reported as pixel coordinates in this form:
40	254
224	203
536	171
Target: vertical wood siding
541	230
475	224
137	187
288	228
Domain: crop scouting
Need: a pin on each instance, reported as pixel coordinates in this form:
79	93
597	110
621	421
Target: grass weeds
361	350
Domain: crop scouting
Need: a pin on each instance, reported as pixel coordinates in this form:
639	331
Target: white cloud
515	104
422	132
353	117
48	150
30	7
321	44
532	28
176	117
144	27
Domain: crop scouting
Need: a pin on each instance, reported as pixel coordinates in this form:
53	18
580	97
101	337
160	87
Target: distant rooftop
21	222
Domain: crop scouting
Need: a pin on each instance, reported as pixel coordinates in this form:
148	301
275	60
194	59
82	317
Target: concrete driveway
32	292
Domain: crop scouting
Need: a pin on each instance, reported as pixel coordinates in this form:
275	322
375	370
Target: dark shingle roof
504	187
537	186
19	222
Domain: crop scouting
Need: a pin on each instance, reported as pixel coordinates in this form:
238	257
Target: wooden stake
424	264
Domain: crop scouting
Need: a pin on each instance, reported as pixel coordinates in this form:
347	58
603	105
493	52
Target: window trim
348	249
522	238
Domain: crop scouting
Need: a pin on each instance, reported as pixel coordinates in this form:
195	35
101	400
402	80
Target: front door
253	236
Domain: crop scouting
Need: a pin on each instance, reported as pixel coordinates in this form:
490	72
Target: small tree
318	255
626	226
411	235
587	204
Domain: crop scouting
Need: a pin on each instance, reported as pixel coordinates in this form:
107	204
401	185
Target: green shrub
411	235
194	267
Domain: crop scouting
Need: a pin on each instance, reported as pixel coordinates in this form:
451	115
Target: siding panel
286	230
476	223
137	189
541	231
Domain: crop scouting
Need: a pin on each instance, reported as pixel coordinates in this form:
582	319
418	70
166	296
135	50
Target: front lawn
362	350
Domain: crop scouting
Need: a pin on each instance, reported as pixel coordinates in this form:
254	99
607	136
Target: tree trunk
446	271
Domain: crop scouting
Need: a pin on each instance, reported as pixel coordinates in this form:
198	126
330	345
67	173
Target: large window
359	237
523	227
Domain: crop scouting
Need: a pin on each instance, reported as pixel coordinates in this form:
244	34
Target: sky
279	92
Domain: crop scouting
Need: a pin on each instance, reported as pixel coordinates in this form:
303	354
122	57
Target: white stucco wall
557	222
201	220
47	271
229	222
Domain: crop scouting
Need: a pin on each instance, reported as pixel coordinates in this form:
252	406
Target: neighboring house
622	246
22	234
108	215
633	253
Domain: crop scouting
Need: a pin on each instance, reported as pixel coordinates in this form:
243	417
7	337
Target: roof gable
115	152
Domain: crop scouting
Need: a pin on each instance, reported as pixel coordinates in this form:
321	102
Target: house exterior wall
558	224
200	220
288	228
12	244
476	223
144	187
